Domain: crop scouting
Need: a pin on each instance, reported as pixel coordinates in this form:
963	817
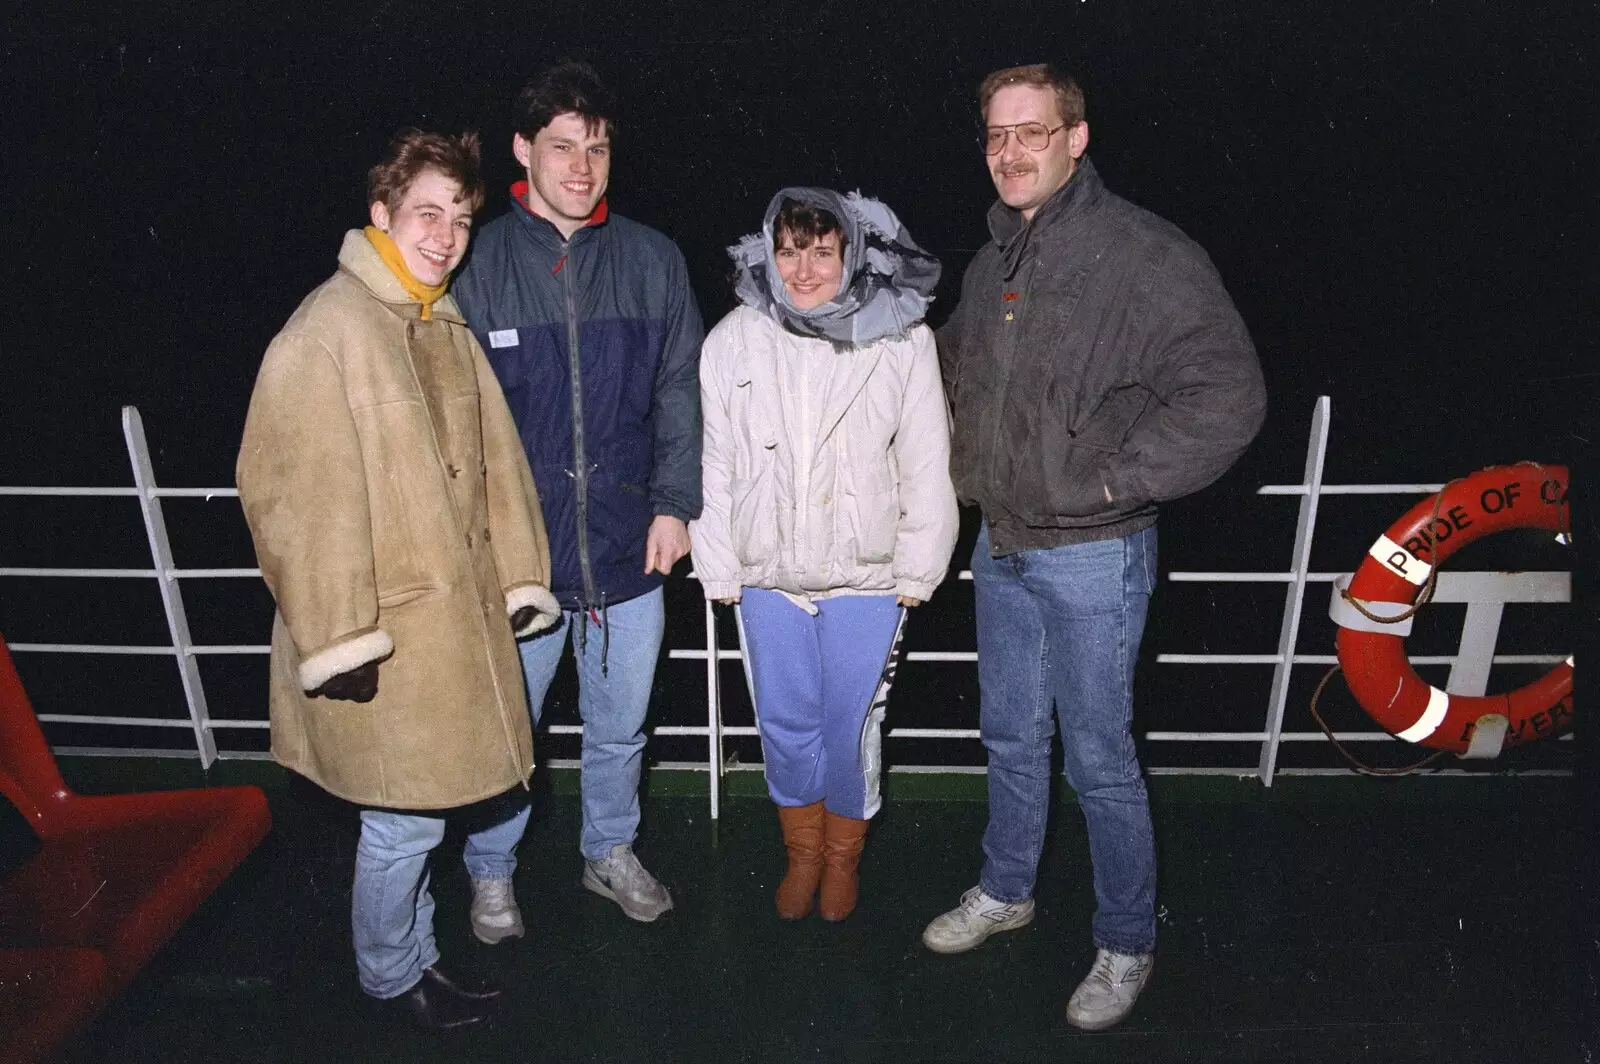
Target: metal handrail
185	652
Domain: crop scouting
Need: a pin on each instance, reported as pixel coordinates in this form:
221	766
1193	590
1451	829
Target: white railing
1469	666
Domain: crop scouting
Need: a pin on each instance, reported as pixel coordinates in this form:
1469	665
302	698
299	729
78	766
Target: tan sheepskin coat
395	520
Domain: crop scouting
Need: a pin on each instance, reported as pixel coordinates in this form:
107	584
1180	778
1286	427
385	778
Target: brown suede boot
802	834
842	839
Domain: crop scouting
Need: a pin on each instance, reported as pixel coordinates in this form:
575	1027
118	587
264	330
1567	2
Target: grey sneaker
623	879
495	915
1107	994
975	919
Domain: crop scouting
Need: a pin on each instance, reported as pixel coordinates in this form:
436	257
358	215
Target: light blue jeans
1058	635
391	908
612	700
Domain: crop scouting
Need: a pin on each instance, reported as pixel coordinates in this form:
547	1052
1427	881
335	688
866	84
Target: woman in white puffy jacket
828	506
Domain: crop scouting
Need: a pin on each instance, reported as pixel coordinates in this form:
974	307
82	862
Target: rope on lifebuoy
1424	596
1355	762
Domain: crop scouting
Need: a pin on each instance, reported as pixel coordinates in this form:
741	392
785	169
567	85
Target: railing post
1289	632
1475	656
713	711
155	526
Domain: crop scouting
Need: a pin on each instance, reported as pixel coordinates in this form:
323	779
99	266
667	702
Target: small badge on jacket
503	338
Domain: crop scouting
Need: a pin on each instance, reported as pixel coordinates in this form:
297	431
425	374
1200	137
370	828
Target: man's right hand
357	685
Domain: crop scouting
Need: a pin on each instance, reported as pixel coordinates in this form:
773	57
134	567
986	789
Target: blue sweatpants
821	685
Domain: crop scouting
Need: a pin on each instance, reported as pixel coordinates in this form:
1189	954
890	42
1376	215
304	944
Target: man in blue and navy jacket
591	328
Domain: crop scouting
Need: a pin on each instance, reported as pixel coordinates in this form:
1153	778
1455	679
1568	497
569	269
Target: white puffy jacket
826	467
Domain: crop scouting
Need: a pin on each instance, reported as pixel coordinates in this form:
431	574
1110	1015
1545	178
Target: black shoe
435	1005
456	983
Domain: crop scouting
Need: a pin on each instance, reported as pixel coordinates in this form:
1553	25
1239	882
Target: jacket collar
536	223
1082	190
361	260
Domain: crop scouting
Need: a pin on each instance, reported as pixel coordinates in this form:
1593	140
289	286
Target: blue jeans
391	909
612	701
1059	630
820	695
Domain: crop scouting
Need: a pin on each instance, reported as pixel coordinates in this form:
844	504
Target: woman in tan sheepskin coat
398	528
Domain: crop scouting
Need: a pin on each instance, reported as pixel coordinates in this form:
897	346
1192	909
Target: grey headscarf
888	279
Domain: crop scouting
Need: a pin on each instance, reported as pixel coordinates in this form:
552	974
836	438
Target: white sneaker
1106	995
975	919
623	879
495	915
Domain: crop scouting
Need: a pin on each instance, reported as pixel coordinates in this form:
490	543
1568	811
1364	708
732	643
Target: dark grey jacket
1093	354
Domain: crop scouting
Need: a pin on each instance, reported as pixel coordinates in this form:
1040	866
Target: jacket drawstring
602	621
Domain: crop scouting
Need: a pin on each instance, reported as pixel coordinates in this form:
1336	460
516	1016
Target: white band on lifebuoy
1400	561
1393	618
1432	717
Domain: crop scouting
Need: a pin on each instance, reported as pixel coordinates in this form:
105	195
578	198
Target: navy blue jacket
603	325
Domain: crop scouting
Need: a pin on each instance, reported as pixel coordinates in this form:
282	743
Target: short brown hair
804	224
1069	97
413	151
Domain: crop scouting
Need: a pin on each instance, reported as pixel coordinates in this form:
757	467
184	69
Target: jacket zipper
580	460
1007	338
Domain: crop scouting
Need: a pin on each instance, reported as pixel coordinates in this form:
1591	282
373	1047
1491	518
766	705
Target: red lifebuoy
1375	665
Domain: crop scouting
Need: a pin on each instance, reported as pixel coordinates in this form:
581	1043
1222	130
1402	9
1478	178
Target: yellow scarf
426	294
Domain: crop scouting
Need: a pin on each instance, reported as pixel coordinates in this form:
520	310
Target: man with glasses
1096	367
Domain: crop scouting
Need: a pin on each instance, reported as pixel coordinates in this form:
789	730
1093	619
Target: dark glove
357	685
523	617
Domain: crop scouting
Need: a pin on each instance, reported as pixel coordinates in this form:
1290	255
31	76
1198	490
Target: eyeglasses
1035	136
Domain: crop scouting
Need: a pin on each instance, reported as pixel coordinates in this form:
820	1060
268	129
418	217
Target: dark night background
1397	196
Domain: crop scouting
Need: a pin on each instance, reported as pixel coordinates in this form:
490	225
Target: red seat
114	877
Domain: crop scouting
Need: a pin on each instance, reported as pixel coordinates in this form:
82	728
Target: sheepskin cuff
351	654
540	598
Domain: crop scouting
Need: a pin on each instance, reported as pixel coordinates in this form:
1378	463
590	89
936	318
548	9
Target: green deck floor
1330	919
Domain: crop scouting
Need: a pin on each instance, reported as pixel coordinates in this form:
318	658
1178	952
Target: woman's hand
907	600
726	601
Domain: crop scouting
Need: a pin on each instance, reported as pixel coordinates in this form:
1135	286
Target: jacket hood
888	278
359	258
